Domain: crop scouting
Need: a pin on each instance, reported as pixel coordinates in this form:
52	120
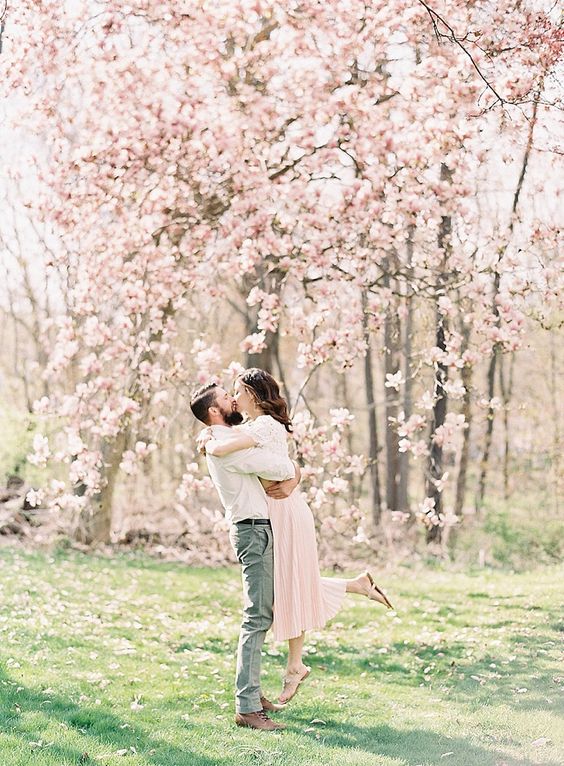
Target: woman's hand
203	438
213	447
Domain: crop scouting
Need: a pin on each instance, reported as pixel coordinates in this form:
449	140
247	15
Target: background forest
362	199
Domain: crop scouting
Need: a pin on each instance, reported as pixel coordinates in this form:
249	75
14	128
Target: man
236	478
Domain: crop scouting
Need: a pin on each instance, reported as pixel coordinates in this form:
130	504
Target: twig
302	388
3	12
452	36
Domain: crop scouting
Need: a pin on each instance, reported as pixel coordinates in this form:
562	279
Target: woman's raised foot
372	591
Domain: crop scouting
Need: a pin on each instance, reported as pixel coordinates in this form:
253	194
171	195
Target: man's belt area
266	522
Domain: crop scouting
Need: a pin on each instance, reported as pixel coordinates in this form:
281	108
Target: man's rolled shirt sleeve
260	462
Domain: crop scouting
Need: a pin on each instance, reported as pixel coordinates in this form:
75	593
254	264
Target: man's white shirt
236	478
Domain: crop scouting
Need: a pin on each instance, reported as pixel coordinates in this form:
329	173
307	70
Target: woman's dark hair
266	391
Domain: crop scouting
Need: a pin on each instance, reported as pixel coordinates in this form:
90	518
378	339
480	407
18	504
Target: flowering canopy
310	150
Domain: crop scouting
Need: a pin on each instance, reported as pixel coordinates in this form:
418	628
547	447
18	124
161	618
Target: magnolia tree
313	164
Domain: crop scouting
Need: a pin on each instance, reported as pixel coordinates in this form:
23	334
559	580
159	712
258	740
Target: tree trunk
265	358
555	396
484	463
466	375
506	389
392	337
271	283
404	458
342	395
280	369
94	524
435	464
495	351
373	446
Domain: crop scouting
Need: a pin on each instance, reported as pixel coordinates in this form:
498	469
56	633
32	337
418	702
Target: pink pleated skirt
303	600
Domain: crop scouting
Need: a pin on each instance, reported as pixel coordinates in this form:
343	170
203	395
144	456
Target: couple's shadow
21	706
409	746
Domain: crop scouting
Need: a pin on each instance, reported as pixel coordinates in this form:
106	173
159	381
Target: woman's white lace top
268	433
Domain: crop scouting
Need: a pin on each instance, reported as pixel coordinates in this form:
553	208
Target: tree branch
3	13
437	19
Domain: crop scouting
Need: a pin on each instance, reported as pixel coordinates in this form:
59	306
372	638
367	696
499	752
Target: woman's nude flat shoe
291	686
379	591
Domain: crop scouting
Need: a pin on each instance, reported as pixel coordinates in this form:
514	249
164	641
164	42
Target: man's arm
282	489
260	462
227	446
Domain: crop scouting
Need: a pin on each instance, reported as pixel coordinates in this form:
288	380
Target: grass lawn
130	661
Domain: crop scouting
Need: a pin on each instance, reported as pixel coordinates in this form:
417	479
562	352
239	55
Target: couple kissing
272	532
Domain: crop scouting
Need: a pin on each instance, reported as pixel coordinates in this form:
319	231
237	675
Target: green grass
129	662
519	533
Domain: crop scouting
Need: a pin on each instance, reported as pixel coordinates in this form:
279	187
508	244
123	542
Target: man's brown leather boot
258	720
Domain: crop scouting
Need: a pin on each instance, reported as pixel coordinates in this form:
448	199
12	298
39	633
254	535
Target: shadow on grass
414	746
98	727
476	680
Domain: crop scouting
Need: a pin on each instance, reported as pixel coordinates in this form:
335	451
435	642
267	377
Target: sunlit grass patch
131	661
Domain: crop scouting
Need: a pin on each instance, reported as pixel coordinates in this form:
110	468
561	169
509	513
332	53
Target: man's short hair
201	400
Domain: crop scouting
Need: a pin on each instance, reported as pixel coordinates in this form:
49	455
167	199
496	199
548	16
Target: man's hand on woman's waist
280	490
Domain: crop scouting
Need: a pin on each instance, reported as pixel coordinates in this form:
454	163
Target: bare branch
302	388
436	20
3	12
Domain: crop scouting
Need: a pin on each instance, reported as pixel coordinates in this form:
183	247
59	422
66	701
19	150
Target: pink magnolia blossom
254	343
394	380
41	451
35	497
447	434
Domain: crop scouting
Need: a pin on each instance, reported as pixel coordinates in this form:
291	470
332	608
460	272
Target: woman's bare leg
295	652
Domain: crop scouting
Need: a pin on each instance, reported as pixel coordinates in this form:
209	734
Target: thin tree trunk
263	359
373	445
281	371
488	438
555	399
404	458
506	389
392	336
343	396
484	463
94	524
461	479
435	464
269	356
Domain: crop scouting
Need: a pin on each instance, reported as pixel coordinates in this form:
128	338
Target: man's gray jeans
253	546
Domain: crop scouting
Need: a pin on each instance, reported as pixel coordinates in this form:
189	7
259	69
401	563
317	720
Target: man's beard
233	418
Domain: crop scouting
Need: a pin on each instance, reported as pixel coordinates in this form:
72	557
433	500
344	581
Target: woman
303	600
